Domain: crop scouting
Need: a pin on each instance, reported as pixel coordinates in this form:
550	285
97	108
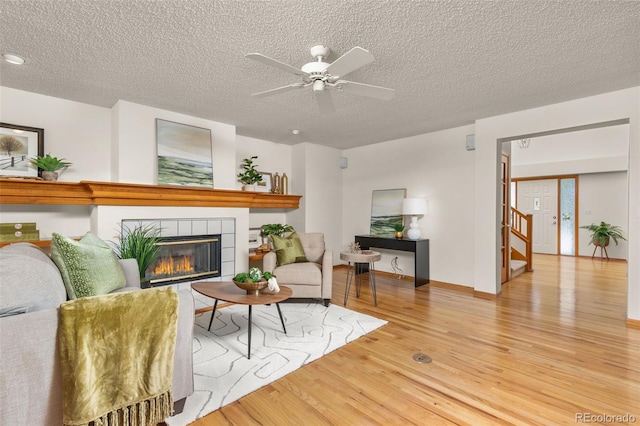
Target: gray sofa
31	290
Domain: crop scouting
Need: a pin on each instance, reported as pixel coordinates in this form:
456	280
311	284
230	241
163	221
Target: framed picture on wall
266	184
255	238
18	144
184	154
386	211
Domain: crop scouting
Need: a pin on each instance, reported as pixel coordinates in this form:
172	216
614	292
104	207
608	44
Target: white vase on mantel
247	187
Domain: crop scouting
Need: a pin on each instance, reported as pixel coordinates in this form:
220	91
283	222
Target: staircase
518	267
522	231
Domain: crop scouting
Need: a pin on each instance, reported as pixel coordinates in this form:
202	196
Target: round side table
369	257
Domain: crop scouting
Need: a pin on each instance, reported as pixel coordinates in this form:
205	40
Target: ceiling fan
323	76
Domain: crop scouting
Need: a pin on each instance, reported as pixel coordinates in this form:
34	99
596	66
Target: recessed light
12	59
295	131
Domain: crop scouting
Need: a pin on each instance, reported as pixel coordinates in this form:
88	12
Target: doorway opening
553	203
563	236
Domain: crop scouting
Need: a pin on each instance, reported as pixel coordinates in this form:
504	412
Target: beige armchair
312	279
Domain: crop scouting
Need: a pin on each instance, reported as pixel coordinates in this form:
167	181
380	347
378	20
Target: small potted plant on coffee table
253	281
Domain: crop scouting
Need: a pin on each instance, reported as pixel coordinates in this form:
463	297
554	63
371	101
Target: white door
540	198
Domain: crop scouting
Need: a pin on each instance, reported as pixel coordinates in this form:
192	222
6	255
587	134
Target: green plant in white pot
250	174
50	166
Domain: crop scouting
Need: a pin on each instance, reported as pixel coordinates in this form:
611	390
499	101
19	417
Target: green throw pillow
288	249
89	267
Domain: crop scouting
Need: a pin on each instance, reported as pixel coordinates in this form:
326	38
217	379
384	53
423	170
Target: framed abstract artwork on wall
386	211
184	154
18	144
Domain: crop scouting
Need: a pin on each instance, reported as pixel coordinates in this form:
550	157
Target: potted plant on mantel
50	166
602	234
249	175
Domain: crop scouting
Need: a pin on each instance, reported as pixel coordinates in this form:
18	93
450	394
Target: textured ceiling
451	62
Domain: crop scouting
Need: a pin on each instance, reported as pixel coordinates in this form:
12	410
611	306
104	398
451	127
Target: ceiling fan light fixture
323	76
318	86
12	59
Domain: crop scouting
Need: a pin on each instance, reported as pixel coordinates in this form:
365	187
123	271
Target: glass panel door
568	216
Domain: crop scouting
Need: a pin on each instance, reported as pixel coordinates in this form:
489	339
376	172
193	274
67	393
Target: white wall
601	108
603	197
136	145
272	157
596	150
318	176
436	166
79	132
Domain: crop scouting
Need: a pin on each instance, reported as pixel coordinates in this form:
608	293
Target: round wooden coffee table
229	292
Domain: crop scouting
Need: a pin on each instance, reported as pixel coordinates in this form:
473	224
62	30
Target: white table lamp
414	207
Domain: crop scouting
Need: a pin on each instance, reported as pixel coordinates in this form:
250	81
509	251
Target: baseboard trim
449	286
410	279
485	295
407	278
633	323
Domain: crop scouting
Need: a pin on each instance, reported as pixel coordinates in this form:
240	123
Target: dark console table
420	248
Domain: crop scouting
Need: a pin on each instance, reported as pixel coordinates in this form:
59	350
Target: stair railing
522	228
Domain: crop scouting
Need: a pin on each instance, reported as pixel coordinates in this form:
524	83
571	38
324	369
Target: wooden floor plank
554	344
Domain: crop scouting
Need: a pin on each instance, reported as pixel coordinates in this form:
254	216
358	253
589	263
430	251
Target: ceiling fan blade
274	63
350	61
361	89
325	103
278	90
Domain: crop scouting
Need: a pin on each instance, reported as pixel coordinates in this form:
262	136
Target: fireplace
186	258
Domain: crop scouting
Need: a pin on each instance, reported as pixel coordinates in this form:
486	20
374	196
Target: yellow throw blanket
117	352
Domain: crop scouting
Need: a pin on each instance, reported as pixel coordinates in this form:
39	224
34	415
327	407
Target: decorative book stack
18	232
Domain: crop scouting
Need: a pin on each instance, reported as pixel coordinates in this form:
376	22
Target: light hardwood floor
552	347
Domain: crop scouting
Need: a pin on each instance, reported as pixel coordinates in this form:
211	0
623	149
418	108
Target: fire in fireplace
186	258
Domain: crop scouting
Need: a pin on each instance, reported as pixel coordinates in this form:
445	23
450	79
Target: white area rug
222	372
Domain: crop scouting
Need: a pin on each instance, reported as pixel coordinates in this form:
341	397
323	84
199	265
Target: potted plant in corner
602	234
49	166
249	175
139	243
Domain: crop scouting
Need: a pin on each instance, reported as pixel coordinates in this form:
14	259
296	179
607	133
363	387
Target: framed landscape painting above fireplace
184	154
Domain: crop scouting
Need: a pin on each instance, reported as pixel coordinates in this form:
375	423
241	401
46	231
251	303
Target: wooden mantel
28	191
